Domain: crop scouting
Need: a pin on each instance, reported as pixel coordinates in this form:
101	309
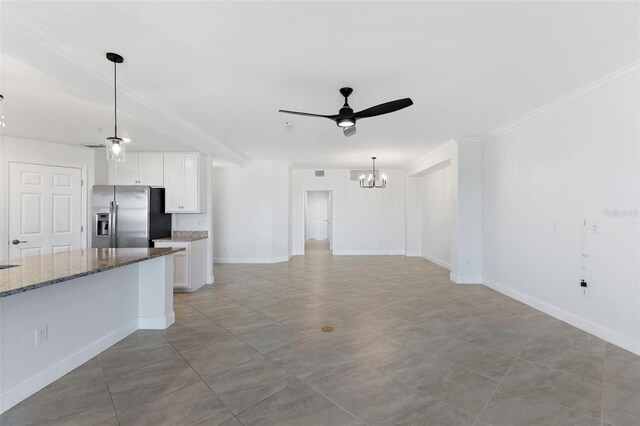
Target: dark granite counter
185	236
34	272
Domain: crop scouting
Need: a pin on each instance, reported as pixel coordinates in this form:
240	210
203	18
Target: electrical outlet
584	288
42	335
594	227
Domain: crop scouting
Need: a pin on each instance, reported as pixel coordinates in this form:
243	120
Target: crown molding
35	32
616	77
469	138
609	80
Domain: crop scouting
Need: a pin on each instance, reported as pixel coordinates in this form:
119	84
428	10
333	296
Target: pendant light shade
115	150
115	145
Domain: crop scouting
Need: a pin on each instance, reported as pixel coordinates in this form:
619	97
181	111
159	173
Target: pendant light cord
115	97
374	171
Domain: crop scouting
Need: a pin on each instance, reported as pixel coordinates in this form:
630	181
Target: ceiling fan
346	117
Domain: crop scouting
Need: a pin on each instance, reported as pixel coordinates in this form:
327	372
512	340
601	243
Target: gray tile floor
408	347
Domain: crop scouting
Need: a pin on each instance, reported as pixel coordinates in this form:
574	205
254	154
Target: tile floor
409	347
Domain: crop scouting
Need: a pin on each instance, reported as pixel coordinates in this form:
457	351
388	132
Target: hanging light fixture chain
115	98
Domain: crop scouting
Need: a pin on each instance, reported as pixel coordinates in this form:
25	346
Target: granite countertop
34	272
185	236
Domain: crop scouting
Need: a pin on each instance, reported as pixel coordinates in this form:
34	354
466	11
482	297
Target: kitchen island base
47	332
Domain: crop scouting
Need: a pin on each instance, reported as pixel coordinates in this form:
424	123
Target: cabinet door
151	169
182	270
190	184
173	183
127	171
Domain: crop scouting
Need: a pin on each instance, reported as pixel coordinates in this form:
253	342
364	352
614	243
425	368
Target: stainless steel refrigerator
128	216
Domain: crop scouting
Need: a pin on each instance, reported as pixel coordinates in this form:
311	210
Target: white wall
251	213
463	157
578	159
364	221
435	209
34	151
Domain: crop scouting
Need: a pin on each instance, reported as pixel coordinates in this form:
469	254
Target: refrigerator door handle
115	224
111	233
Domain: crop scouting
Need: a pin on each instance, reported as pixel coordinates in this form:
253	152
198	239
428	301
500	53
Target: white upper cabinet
151	169
182	174
126	172
173	179
139	169
184	183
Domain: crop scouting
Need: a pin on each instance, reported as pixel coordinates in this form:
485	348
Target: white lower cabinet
190	265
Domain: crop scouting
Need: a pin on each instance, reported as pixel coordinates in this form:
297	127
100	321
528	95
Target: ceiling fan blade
384	108
308	114
349	131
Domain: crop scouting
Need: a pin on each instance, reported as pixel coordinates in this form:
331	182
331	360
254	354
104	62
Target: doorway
318	226
45	209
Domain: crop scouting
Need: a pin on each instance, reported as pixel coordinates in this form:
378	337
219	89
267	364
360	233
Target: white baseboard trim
413	254
156	323
437	261
604	333
212	279
22	391
251	259
460	279
297	253
368	252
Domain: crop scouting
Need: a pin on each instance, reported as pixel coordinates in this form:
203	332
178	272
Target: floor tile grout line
495	390
115	412
206	384
419	390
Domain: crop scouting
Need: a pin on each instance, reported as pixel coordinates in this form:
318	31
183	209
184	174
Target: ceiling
211	75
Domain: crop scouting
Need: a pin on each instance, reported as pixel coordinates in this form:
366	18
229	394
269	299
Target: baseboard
251	259
437	261
604	333
22	391
297	253
461	279
413	254
368	252
156	323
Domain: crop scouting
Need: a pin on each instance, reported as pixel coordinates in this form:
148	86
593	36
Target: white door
127	171
151	169
45	209
318	215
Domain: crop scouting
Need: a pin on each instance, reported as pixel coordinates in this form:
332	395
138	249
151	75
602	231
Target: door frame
4	199
330	209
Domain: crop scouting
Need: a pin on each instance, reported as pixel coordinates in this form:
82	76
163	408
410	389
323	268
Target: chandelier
371	181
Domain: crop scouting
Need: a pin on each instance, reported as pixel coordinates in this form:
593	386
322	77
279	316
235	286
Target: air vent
319	173
99	145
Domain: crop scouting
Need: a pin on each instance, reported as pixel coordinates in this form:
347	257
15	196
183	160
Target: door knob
16	242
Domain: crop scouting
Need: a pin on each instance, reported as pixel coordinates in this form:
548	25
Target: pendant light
115	145
371	181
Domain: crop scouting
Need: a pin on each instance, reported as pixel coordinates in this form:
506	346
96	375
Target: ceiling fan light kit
346	117
371	181
115	145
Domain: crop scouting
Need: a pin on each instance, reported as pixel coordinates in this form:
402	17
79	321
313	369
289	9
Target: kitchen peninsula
59	310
